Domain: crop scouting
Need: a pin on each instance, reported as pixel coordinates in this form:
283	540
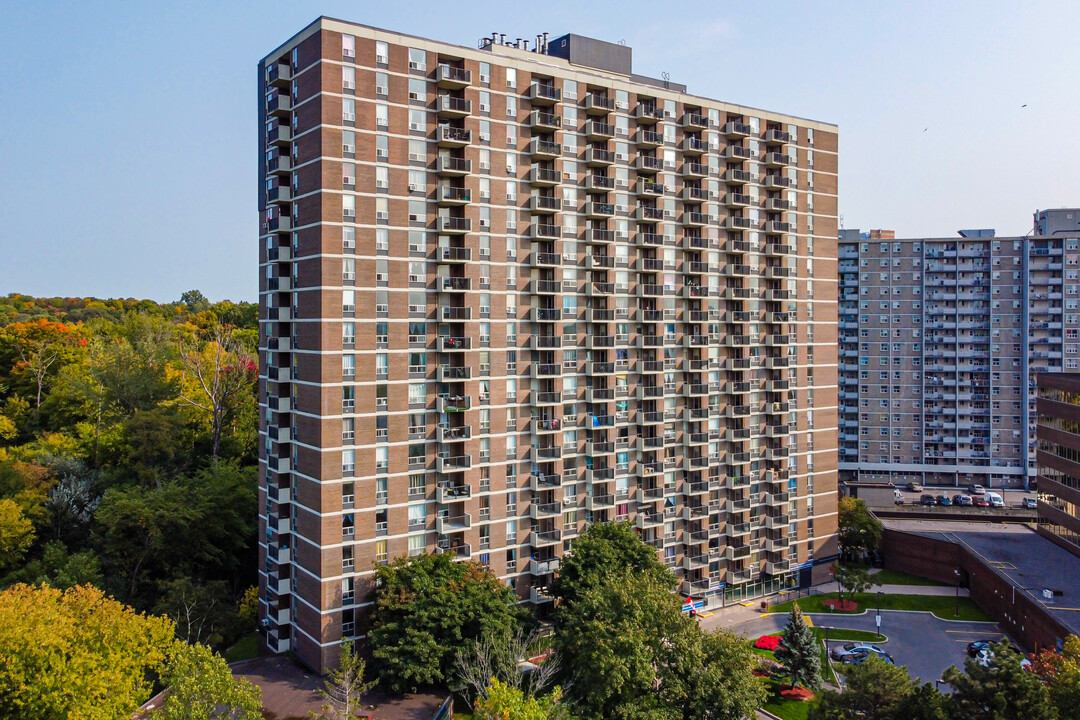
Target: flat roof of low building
1030	562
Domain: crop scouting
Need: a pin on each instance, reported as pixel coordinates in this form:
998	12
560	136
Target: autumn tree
504	701
217	376
54	664
1060	671
202	687
31	351
16	534
799	653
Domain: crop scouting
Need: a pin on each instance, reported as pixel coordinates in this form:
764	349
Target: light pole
877	618
956	572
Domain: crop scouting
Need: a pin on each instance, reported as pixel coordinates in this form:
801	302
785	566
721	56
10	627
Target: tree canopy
425	607
128	432
859	531
1000	690
798	653
627	650
54	665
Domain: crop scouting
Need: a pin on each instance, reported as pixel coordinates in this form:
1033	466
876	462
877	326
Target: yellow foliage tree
76	654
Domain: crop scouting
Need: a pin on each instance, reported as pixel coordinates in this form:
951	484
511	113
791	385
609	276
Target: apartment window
348	110
348	77
382	53
485	72
417	90
382	365
417	59
382	334
348	334
417	516
417	486
348	301
417	394
348	462
382	115
382	458
511	78
348	430
348	46
348	366
418	121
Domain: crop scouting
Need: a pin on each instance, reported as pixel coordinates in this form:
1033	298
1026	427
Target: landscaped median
941	606
794	709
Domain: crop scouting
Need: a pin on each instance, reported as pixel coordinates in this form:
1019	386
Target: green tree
1000	690
799	653
201	687
925	702
344	689
60	569
54	664
719	678
617	640
859	531
873	690
853	579
195	301
424	608
508	702
606	549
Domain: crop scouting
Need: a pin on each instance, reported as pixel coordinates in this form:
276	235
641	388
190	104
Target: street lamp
877	618
957	611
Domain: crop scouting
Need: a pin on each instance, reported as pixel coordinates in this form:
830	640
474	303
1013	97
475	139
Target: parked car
841	651
963	500
976	489
1029	503
995	500
974	648
944	500
914	487
898	497
980	502
860	656
927	500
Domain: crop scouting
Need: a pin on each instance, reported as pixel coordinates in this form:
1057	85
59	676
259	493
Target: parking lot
1013	498
923	643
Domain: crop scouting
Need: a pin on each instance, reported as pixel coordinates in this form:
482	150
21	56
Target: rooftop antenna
667	77
841	221
622	42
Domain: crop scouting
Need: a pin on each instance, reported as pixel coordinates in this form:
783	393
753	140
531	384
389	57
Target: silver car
852	650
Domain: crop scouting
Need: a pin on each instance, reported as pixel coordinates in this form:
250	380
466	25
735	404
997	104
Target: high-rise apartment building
940	341
506	293
1058	406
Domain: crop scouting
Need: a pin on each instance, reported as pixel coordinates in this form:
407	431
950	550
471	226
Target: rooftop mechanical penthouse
506	293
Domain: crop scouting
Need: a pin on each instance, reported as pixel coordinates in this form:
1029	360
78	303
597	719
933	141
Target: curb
864	612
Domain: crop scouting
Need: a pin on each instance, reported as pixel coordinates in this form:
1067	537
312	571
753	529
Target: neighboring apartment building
1058	406
505	294
940	341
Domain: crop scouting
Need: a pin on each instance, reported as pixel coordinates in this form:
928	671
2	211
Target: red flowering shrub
768	642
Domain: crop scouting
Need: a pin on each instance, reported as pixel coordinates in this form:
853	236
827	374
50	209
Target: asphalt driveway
925	644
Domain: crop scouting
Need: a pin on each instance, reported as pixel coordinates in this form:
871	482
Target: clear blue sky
128	130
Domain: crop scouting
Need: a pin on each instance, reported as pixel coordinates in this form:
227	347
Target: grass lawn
892	577
787	709
941	606
245	648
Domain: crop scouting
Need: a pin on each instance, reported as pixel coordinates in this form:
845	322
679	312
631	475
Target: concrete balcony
452	137
452	166
453	107
454	78
447	525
